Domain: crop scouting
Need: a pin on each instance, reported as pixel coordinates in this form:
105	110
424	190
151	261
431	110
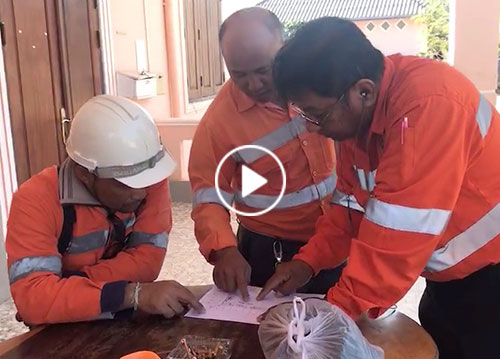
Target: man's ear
84	176
366	90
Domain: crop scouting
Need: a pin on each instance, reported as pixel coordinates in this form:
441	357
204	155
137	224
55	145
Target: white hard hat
114	137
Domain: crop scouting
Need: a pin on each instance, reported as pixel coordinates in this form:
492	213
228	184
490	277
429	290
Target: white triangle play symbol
250	181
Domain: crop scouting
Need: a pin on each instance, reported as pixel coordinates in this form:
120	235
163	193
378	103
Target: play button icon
251	181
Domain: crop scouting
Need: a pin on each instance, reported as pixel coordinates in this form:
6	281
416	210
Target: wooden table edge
198	291
11	343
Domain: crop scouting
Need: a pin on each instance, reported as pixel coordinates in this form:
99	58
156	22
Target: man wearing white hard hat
87	240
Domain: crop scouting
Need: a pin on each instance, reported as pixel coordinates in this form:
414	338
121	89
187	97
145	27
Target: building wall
473	42
177	134
150	21
133	20
408	41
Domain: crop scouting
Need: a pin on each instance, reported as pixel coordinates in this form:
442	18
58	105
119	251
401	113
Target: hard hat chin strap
128	170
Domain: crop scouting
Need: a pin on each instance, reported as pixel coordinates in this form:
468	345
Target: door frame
8	177
107	49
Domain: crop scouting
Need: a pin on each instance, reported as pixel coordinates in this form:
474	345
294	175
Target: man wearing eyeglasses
247	111
419	185
86	241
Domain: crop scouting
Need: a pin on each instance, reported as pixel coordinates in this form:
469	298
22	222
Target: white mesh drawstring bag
313	329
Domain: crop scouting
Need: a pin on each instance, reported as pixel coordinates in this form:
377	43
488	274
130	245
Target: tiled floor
185	264
196	109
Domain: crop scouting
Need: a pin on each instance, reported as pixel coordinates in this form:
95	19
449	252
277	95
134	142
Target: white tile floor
197	109
185	264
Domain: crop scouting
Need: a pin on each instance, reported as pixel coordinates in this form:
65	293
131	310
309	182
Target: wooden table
398	335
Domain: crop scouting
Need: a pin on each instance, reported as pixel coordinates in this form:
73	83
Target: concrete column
473	42
176	57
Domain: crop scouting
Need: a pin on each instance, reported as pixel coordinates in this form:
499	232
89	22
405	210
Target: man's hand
168	298
288	277
231	271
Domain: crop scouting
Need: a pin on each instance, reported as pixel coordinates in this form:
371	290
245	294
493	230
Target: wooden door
52	67
204	58
80	51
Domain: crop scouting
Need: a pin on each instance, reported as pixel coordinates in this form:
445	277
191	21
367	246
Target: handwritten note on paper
230	307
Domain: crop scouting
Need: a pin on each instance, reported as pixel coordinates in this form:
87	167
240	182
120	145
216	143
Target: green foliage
435	17
290	27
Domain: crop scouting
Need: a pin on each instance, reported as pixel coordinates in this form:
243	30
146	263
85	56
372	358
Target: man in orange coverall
87	240
247	111
418	151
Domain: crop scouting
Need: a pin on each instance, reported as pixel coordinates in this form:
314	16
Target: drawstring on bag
296	330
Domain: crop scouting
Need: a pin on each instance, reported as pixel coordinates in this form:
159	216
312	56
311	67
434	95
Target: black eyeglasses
318	120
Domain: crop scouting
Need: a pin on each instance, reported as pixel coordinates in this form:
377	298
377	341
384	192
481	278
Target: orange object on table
141	355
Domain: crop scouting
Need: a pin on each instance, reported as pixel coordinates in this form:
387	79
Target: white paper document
231	307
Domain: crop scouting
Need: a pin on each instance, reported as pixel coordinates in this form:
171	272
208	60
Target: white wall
230	6
410	40
133	20
473	42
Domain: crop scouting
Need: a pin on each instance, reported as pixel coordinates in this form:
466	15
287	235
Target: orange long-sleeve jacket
421	196
232	120
80	285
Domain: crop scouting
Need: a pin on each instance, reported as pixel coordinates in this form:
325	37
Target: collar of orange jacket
71	189
244	103
377	125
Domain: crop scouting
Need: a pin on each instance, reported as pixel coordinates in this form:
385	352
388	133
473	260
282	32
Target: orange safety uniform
421	195
232	120
80	285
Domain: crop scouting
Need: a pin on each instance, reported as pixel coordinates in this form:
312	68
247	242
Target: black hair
269	19
326	56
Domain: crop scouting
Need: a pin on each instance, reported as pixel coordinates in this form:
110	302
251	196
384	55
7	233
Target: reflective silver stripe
466	243
129	222
366	180
371	180
483	115
346	200
209	195
159	240
28	265
273	140
361	178
104	316
129	170
88	242
305	195
410	219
